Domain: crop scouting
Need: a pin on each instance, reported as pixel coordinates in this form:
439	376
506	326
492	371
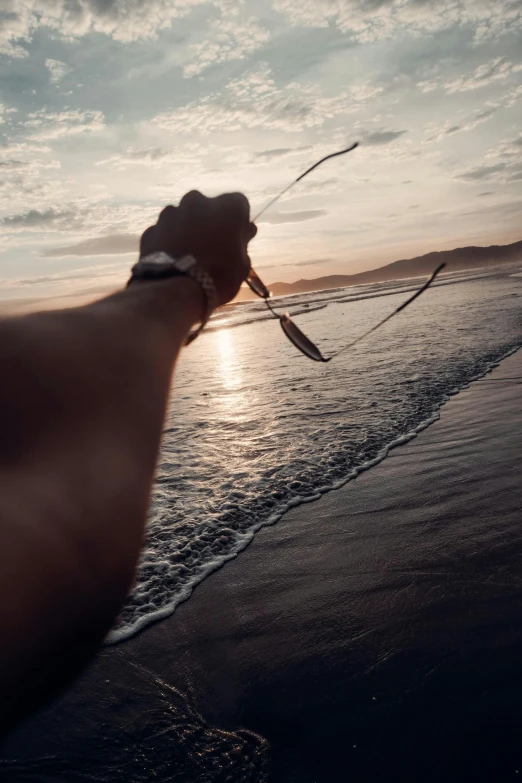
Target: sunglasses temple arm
273	201
326	157
421	290
398	310
276	315
302	176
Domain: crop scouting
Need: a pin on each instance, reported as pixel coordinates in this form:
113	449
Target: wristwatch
161	265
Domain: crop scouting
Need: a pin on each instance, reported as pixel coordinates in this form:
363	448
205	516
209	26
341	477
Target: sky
110	109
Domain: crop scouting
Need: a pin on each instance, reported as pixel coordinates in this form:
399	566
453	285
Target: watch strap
161	265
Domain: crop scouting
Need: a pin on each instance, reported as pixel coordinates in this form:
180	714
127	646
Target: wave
318	300
232	540
267	316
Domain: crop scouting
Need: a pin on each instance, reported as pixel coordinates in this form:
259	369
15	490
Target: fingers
167	214
148	241
230	211
194	202
235	205
229	208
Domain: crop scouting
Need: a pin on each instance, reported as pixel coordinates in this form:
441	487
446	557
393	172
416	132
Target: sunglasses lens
300	340
257	285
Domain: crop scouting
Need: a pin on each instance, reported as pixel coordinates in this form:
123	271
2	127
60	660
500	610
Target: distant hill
458	260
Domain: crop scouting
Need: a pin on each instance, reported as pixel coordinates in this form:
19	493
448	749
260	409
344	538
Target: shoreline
372	635
119	637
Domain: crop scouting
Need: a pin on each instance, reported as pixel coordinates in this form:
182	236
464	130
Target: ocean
254	428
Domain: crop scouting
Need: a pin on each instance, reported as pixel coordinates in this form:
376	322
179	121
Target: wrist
172	301
161	265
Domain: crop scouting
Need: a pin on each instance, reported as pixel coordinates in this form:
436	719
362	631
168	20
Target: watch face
184	264
158	259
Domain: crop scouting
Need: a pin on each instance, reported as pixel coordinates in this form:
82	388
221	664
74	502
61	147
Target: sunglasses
291	330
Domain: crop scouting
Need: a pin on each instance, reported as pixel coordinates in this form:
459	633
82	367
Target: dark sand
374	635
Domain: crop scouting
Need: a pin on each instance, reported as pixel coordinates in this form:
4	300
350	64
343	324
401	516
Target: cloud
280	152
27	176
13	165
86	273
47	126
293	217
381	137
254	101
313	262
101	246
498	69
363	20
124	21
500	164
361	93
367	21
330	185
22	149
309	262
188	154
441	132
3	112
515	175
486	193
508	150
481	172
57	70
36	219
230	39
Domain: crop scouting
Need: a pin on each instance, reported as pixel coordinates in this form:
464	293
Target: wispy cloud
47	126
503	164
125	22
229	39
57	70
293	217
481	172
72	276
498	69
255	101
280	152
117	244
376	138
34	218
368	22
468	124
305	262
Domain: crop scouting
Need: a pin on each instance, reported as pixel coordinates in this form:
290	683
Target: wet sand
374	635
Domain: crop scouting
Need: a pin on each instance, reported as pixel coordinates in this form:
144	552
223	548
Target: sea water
255	428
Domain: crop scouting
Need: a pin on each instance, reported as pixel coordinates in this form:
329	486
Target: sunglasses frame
290	329
308	348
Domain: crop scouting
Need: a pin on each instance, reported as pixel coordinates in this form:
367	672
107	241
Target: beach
373	635
289	550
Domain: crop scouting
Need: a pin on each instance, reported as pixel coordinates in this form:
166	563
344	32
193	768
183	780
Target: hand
216	231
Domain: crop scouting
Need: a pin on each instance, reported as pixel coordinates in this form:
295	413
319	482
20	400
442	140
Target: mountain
458	260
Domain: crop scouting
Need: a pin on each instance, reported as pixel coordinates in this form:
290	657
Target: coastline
120	636
371	635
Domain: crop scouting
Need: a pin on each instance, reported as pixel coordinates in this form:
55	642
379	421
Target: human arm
83	394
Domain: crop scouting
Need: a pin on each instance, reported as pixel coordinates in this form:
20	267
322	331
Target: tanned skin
83	395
